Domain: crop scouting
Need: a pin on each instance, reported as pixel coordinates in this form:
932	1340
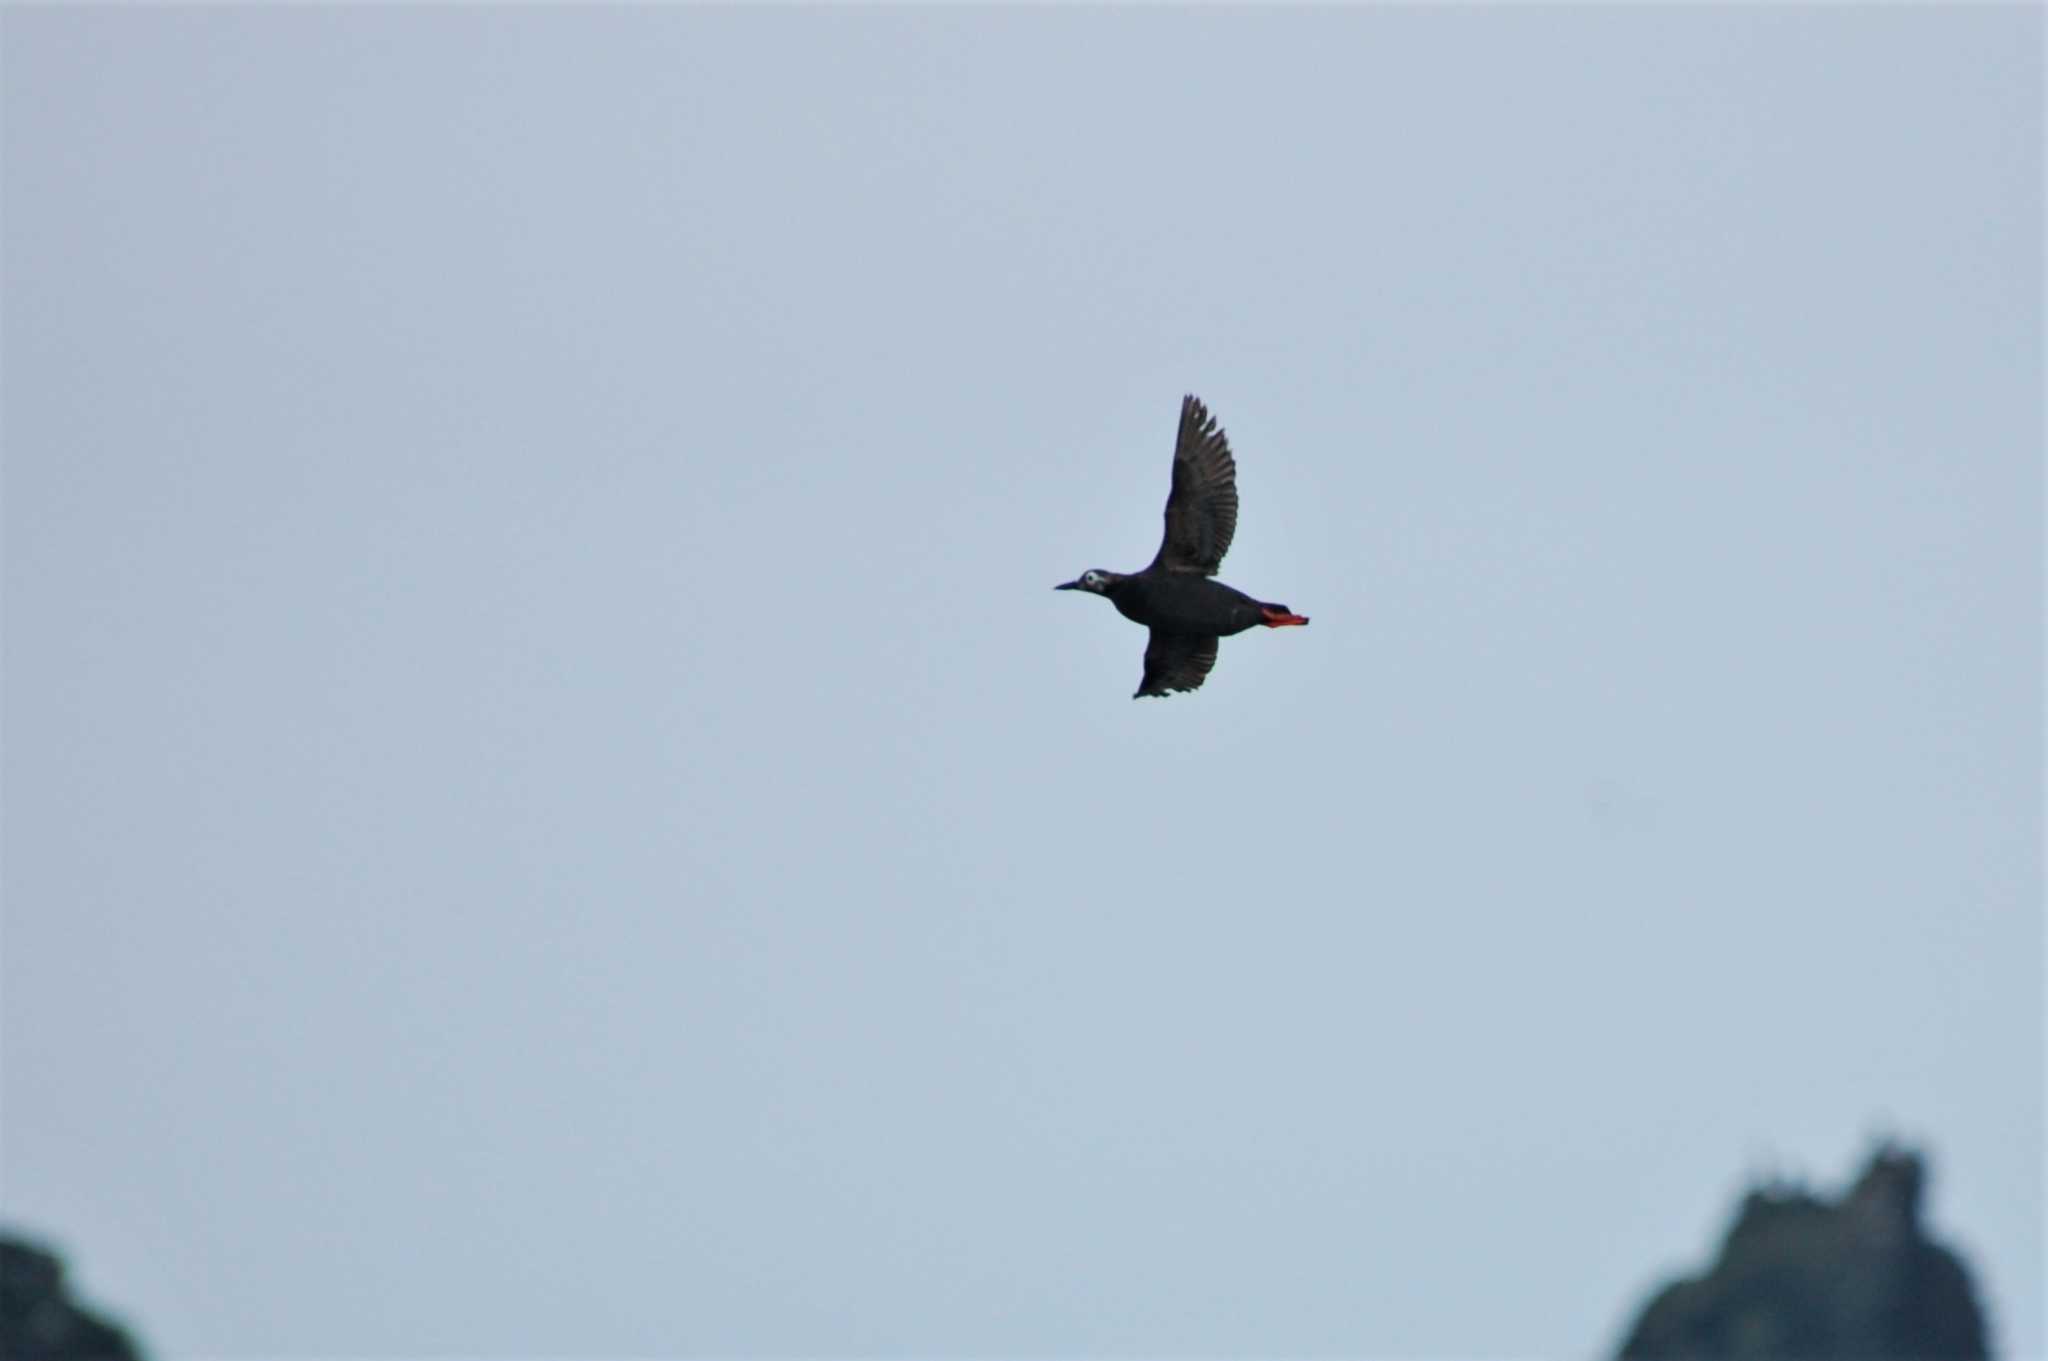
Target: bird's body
1176	596
1180	602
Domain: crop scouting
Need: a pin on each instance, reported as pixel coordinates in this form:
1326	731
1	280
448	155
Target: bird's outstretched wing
1176	661
1201	510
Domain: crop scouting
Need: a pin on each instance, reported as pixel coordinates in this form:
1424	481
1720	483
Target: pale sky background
551	810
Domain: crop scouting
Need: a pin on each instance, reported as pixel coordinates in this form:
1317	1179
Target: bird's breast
1182	603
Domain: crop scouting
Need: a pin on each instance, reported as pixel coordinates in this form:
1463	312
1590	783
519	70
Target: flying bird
1175	596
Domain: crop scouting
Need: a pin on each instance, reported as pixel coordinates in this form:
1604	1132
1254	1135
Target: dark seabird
1174	596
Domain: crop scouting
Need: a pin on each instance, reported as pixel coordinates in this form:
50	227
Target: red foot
1280	618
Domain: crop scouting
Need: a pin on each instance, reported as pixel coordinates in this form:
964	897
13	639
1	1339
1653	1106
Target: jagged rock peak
1800	1276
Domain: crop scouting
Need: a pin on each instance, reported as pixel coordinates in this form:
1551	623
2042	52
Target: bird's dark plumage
1176	661
1201	509
1174	596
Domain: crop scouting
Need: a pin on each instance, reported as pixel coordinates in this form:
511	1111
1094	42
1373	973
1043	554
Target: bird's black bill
1068	586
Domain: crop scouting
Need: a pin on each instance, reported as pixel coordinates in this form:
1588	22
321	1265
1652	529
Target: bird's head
1094	579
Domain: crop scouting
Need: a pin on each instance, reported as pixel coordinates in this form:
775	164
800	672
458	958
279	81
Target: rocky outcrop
1800	1277
39	1321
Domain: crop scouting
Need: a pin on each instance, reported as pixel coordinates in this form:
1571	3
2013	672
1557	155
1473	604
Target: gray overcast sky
550	808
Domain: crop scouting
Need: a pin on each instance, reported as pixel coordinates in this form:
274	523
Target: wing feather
1201	509
1176	661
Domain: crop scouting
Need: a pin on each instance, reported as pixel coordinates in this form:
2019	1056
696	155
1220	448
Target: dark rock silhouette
1800	1278
39	1321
